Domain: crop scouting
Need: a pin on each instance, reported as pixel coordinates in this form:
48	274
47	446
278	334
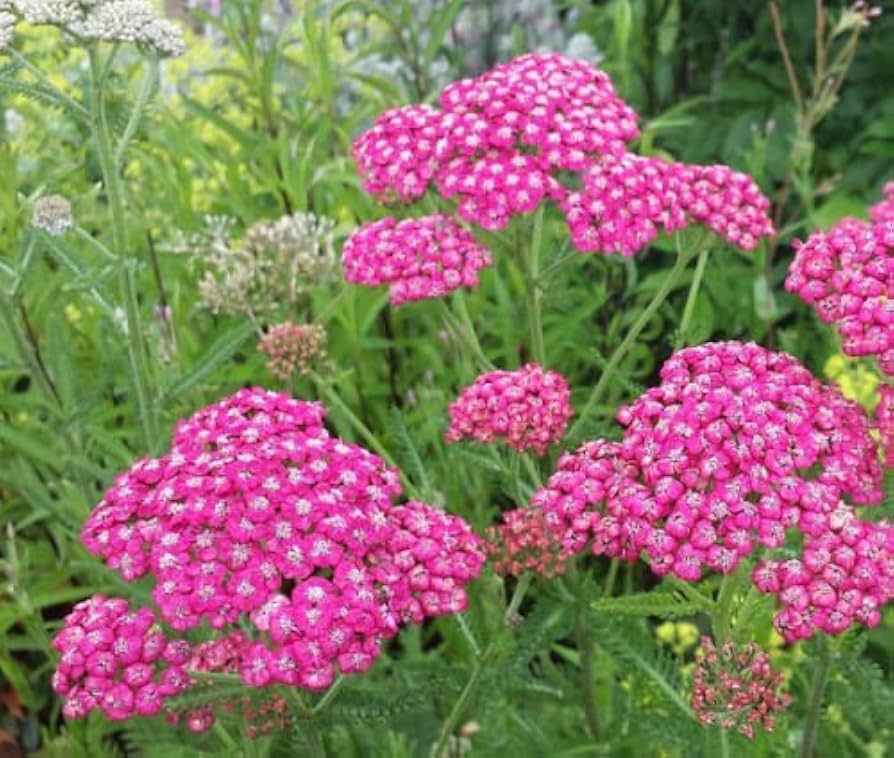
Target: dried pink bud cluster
528	408
736	445
524	542
417	258
258	515
847	274
116	660
845	575
884	419
293	348
736	688
627	200
225	655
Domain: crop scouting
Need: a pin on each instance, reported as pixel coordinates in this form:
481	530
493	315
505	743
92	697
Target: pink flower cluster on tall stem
532	130
847	274
116	660
528	408
258	517
735	446
417	258
736	688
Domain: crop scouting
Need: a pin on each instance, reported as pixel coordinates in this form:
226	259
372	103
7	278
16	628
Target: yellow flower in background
73	314
856	379
679	636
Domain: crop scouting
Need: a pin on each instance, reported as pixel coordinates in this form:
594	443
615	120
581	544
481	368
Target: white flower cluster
274	263
52	214
132	21
7	24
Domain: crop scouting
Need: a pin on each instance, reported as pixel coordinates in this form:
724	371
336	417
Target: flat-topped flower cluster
737	445
531	130
847	274
258	516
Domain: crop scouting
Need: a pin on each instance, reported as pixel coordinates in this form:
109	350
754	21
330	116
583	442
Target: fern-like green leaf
664	604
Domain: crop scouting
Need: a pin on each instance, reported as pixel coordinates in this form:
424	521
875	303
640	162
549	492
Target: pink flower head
417	258
737	444
736	688
396	157
884	418
847	274
628	199
258	516
524	542
845	575
114	659
564	110
528	408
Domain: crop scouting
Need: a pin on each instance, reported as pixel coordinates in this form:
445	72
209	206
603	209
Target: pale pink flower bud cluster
221	656
627	200
736	688
735	446
257	516
844	576
847	274
884	419
417	258
116	660
524	542
293	348
528	408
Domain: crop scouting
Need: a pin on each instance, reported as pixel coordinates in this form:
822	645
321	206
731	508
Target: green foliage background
261	125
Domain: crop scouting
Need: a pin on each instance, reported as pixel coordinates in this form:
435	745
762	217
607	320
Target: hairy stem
621	351
533	294
692	297
136	347
815	699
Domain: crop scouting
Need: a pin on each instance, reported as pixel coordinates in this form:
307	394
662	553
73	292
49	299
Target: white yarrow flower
52	214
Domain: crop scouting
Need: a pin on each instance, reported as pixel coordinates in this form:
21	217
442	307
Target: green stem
611	578
532	289
452	720
328	696
468	635
467	331
621	351
136	347
720	619
815	699
224	735
587	669
136	114
584	643
692	297
724	744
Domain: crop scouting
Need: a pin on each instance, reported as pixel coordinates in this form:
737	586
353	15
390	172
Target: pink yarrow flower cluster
258	516
498	137
627	200
417	258
847	274
506	141
524	542
844	576
736	688
884	419
735	446
116	660
528	408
